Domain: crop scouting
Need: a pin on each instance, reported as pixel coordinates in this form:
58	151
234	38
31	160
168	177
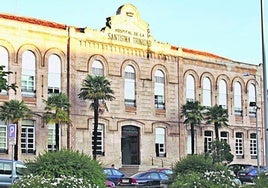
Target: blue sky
229	28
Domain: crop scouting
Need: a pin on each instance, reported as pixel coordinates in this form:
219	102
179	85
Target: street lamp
254	104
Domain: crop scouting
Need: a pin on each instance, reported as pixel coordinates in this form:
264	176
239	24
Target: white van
10	172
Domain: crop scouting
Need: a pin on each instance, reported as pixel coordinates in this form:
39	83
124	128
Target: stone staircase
129	169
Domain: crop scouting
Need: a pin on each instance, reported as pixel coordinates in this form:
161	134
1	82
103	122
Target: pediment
127	26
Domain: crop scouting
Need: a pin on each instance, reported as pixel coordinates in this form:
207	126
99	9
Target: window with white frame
130	86
28	137
51	137
4	62
223	94
253	146
237	99
190	88
207	141
159	90
251	98
100	139
239	145
3	137
160	146
54	74
28	74
97	68
224	136
206	92
189	142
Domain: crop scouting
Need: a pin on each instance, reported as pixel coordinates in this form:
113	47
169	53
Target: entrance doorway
130	145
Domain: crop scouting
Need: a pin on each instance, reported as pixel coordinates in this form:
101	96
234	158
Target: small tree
3	80
12	112
192	111
221	151
96	89
57	111
218	116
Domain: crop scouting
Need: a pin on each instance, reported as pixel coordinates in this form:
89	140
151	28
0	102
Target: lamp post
254	104
264	82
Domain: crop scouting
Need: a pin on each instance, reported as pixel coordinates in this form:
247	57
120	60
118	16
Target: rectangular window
239	145
207	141
28	137
51	137
27	85
3	139
160	148
97	71
224	136
159	102
100	140
253	146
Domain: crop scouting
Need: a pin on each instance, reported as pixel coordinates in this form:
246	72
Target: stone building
151	81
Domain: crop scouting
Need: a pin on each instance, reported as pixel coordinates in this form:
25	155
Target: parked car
247	175
109	183
167	171
113	175
10	172
147	178
236	167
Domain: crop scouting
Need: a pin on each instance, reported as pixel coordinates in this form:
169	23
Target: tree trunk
96	122
216	131
192	138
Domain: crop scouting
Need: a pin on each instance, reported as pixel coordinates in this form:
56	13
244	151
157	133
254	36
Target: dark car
247	175
113	174
236	167
167	171
147	178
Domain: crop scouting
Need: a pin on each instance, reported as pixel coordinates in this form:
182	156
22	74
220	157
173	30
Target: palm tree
12	112
192	111
96	89
218	116
57	111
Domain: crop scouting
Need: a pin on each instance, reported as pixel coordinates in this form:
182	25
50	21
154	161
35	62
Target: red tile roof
33	21
195	52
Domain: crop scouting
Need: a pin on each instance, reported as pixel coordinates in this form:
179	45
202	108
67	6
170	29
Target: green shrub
213	179
200	171
30	181
193	163
261	181
58	165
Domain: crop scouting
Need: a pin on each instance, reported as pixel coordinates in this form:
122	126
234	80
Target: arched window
223	94
160	144
206	92
190	88
54	74
97	68
252	98
237	98
130	86
4	62
159	90
28	76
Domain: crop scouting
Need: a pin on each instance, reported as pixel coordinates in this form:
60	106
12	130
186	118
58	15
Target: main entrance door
130	145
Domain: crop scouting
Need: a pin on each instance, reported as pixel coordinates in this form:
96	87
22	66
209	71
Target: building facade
151	80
